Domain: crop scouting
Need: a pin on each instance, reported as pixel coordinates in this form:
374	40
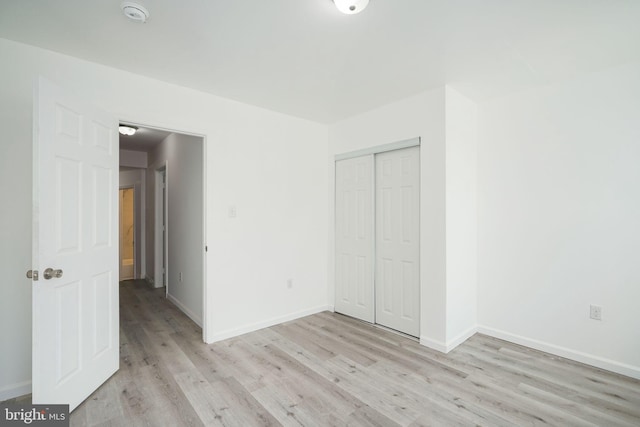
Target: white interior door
75	233
354	238
397	276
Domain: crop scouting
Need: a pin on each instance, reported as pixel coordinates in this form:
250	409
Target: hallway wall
182	155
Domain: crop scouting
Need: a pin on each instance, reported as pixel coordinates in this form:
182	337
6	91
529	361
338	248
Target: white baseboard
15	390
443	347
433	344
598	362
456	341
266	323
185	310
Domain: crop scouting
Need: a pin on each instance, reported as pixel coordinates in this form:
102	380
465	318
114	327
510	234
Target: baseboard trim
433	344
453	343
190	314
267	323
443	347
598	362
15	390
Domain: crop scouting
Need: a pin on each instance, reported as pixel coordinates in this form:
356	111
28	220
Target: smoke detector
134	11
351	7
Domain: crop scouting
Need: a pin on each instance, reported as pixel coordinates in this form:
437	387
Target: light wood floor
330	370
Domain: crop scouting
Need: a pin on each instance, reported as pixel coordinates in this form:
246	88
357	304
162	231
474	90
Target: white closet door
397	210
354	238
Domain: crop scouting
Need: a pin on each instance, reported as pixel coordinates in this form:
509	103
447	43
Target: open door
75	248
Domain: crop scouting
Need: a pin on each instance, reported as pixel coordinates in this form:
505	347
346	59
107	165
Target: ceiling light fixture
127	130
134	11
351	7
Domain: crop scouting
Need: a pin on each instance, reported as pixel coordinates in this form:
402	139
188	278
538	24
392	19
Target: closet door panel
397	225
354	238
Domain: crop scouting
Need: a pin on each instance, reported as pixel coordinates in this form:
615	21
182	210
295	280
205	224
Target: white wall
15	235
462	225
421	115
447	123
133	159
182	155
136	178
271	166
559	218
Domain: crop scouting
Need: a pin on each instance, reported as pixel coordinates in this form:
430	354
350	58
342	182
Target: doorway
127	233
172	165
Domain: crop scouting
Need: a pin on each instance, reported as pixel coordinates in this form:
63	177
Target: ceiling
304	58
145	139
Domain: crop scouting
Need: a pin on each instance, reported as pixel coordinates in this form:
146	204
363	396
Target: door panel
354	238
397	277
75	316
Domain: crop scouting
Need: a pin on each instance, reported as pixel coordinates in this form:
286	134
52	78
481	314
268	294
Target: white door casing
354	238
397	241
75	229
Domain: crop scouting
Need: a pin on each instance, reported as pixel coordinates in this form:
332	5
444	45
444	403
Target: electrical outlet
595	312
290	283
233	212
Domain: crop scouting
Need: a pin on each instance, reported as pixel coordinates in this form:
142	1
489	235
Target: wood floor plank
386	350
584	391
322	395
331	370
574	374
334	344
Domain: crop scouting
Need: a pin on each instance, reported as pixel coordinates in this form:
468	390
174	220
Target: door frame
161	214
407	143
203	137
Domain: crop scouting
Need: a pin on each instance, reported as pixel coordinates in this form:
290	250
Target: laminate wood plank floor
331	370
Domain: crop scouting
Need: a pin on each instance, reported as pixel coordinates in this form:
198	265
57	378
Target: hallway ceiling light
351	7
134	11
127	130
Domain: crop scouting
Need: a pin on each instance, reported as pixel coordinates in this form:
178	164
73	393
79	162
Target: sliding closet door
354	238
397	211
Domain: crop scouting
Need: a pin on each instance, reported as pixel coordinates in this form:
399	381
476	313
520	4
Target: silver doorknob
50	273
32	274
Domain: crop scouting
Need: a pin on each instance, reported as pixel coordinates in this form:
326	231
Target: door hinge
206	248
33	275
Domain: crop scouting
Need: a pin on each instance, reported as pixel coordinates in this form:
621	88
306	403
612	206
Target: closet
377	235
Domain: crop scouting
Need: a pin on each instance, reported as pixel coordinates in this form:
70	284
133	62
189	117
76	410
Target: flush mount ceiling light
351	7
134	11
127	130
